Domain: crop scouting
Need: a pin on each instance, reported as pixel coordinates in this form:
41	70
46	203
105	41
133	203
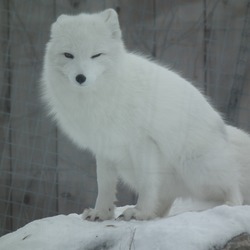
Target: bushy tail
241	148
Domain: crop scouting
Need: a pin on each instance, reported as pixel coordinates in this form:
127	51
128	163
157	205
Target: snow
189	231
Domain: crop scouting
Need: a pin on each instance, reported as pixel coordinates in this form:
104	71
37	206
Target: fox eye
68	55
96	55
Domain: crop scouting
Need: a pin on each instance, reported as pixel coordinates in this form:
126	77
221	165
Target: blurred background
41	172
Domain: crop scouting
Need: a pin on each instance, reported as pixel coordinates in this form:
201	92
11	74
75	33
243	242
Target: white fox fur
144	123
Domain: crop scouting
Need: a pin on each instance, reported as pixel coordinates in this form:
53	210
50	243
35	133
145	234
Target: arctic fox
144	123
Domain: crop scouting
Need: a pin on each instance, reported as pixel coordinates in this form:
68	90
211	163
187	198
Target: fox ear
61	18
111	18
57	22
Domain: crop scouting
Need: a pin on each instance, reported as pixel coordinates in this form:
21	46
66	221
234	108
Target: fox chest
101	134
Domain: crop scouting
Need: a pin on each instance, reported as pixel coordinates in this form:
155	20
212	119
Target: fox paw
136	214
97	215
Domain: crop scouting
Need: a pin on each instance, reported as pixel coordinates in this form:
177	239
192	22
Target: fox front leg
146	161
106	181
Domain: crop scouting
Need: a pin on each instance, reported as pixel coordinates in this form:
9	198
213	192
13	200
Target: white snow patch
189	231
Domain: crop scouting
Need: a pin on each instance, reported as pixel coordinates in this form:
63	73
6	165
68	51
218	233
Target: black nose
80	78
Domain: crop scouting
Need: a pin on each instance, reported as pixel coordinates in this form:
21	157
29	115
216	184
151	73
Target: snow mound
189	231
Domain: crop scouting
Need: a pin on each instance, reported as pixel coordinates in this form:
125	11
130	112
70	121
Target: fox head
84	47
